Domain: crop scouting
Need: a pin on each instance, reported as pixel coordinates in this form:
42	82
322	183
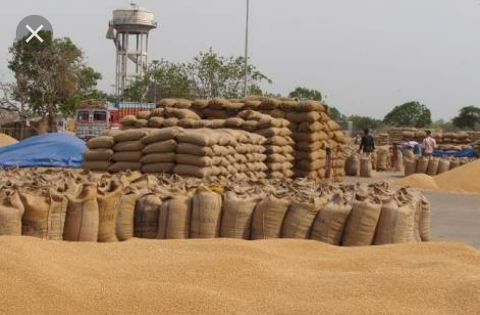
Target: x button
31	27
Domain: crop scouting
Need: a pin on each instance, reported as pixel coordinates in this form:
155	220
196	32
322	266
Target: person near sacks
429	144
367	144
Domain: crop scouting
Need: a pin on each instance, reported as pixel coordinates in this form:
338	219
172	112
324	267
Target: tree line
52	77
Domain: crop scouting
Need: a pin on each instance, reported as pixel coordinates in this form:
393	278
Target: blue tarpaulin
48	150
461	153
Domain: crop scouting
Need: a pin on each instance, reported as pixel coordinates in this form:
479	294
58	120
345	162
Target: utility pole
245	91
155	64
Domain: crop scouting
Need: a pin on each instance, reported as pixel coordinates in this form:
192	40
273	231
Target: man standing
429	144
367	145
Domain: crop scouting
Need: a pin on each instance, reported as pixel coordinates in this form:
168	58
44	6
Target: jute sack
432	168
44	215
237	214
312	156
130	135
310	165
98	155
158	168
11	211
299	218
271	132
410	166
331	220
352	165
143	114
82	219
399	164
108	199
126	211
181	113
141	123
396	223
361	225
127	156
382	159
156	122
279	141
310	127
422	165
309	136
158	158
201	137
268	218
454	164
206	214
309	147
163	134
365	167
425	234
188	148
129	146
175	216
171	122
102	142
201	161
298	118
146	216
128	120
234	122
160	147
96	165
192	170
124	166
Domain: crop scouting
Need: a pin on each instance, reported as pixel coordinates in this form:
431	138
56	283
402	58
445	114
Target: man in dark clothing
367	146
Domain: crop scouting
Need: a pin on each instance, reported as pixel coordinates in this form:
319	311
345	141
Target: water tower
129	31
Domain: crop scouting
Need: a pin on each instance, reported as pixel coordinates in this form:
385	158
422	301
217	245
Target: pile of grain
264	277
6	140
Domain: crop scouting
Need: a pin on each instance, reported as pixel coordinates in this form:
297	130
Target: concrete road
455	217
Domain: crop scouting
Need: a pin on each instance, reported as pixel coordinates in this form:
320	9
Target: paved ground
455	217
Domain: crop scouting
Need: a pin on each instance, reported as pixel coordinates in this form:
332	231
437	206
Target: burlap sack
250	125
201	161
127	156
443	166
82	218
156	122
158	168
129	146
309	137
268	218
108	199
158	158
199	104
396	223
299	219
102	142
98	155
146	216
96	165
279	141
157	112
188	148
11	212
171	122
193	171
175	218
234	122
454	163
126	211
206	214
298	118
183	103
410	166
352	165
399	162
382	160
339	136
128	120
310	147
422	165
425	233
361	225
432	168
160	147
365	167
271	132
309	127
310	165
162	135
311	156
192	123
124	166
141	123
279	167
216	114
201	137
143	115
331	220
181	113
44	215
130	135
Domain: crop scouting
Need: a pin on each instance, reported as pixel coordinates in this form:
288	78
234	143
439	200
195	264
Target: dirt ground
455	217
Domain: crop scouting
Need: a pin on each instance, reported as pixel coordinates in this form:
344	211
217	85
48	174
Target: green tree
363	122
50	76
411	114
307	94
216	76
469	117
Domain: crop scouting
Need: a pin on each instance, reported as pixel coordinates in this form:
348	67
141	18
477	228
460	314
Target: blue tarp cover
48	150
462	153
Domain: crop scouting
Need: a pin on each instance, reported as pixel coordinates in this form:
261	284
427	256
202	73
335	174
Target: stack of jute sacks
159	151
128	150
109	208
99	155
206	153
431	165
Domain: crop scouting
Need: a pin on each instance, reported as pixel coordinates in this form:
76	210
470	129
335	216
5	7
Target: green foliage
216	76
306	94
363	122
411	114
468	118
50	76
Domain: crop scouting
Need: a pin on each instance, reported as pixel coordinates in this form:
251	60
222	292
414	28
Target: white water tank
133	18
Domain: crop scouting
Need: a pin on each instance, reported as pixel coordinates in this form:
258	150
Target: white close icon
34	33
